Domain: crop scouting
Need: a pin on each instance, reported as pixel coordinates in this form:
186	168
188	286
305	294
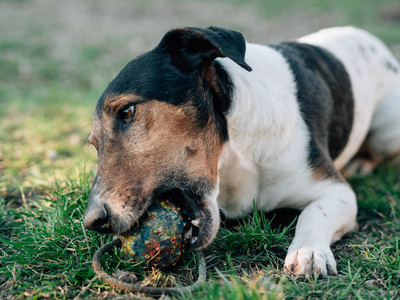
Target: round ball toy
158	239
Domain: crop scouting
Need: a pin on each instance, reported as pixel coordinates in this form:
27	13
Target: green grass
46	252
46	169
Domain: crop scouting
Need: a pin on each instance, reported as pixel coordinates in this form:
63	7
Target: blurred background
56	58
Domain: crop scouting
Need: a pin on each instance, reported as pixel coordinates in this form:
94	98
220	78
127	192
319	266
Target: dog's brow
113	99
113	103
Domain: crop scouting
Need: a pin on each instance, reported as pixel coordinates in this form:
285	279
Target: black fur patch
325	98
391	67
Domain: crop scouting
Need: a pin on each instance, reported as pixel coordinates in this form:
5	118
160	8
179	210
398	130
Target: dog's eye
126	114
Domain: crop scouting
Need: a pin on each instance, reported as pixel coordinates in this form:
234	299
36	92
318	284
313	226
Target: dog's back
375	80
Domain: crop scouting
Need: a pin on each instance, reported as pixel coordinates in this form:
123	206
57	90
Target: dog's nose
98	219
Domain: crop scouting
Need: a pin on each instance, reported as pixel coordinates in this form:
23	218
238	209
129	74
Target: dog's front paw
309	261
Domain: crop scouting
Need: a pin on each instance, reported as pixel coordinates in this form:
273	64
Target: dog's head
159	130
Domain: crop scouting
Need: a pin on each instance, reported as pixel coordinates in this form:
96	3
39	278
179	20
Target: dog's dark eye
126	114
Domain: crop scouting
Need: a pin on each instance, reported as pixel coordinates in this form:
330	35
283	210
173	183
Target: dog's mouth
191	208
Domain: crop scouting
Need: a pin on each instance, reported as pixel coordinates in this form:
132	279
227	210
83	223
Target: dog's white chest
244	183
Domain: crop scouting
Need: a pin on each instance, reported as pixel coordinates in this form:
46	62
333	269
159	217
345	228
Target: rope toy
156	241
121	285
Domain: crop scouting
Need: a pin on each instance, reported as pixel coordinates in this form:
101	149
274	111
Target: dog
218	124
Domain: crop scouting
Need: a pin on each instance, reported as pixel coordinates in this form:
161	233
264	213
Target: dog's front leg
322	222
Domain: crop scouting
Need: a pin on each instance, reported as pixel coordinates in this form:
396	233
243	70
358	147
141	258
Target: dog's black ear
195	49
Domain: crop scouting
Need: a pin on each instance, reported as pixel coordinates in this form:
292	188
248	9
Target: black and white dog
216	123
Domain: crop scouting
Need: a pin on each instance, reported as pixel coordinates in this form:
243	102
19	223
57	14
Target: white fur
265	159
385	133
266	132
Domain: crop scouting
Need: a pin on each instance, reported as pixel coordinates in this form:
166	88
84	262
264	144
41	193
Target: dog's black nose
98	219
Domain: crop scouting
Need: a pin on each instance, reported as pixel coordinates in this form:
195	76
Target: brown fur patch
325	170
112	104
162	143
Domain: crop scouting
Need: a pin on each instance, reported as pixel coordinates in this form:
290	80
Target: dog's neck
264	105
265	129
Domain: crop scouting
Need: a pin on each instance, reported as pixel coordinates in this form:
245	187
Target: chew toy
158	238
